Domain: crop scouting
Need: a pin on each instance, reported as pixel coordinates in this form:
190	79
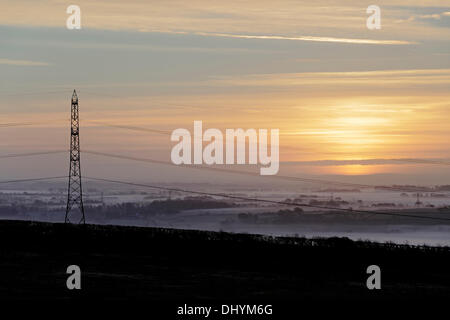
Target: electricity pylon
75	193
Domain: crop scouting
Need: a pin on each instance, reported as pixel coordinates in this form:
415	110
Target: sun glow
354	169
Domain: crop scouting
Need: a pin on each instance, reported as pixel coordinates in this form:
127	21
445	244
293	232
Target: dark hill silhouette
179	265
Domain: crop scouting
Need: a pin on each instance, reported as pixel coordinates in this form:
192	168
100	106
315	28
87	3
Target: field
178	266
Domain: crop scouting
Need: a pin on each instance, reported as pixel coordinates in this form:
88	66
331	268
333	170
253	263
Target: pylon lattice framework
75	192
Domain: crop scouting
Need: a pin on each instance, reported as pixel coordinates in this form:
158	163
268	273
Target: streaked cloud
359	78
430	16
323	20
372	162
335	89
14	62
308	38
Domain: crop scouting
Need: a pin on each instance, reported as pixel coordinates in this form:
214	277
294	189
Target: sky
349	102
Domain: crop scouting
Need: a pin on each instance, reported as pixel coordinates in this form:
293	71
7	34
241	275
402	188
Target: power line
253	174
265	200
17	155
128	127
31	179
32	93
166	132
136	128
15	124
233	197
281	177
78	195
23	124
